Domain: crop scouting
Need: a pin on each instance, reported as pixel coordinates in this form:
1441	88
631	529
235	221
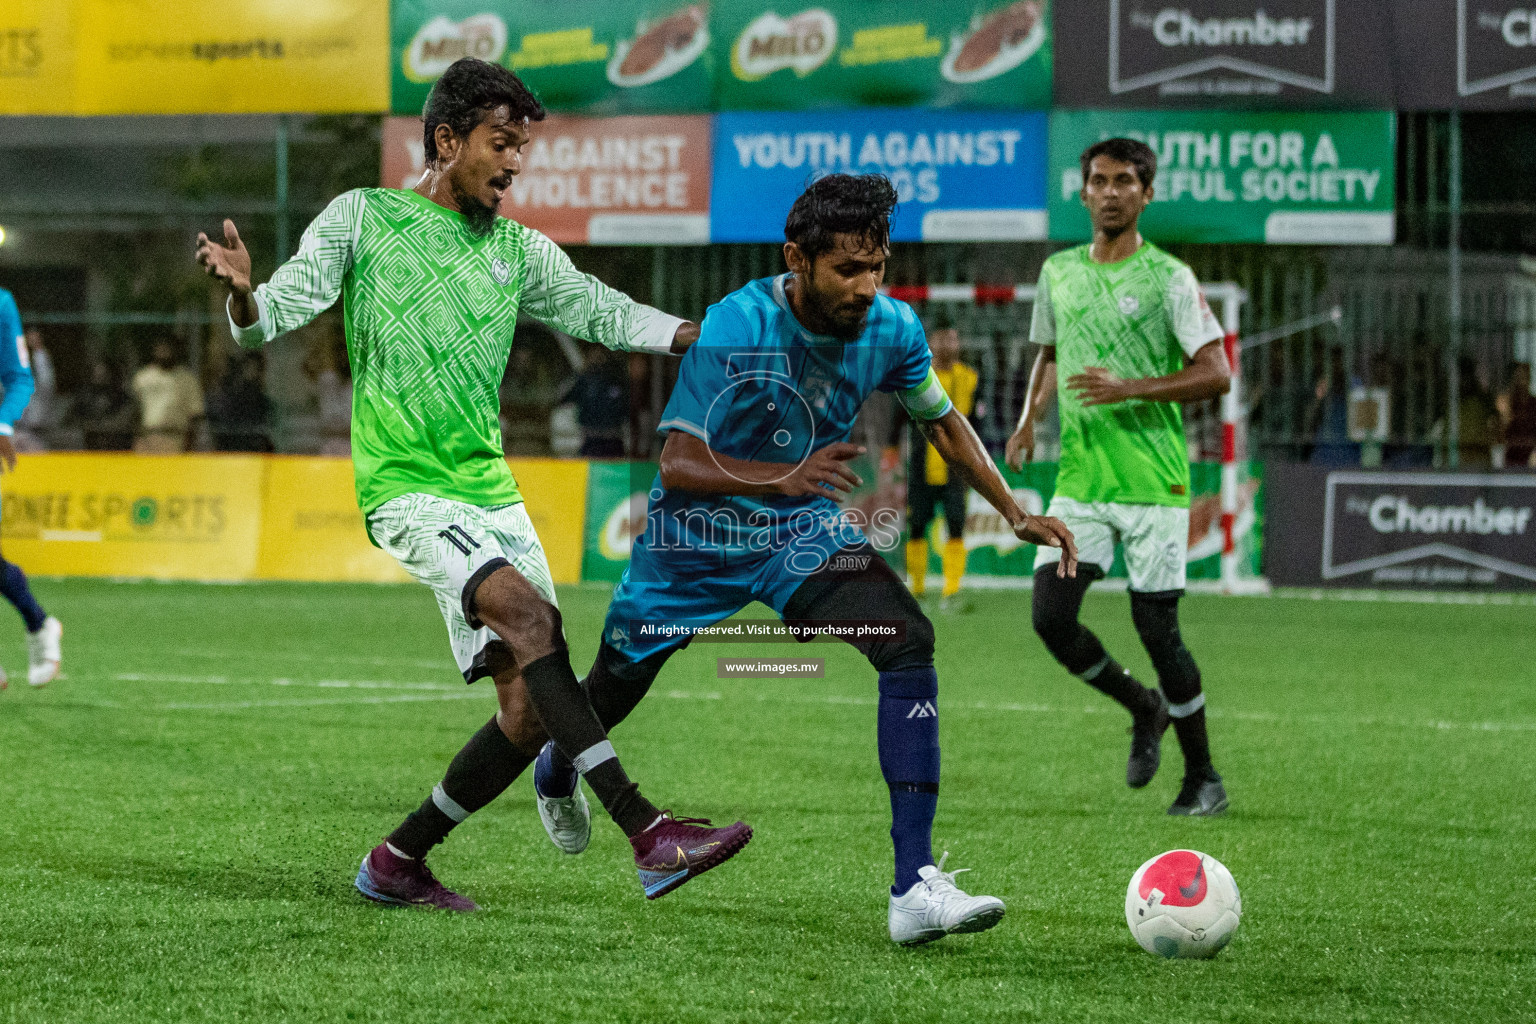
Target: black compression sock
1196	746
1114	680
478	774
568	717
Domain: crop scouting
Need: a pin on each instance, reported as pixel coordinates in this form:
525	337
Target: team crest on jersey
501	270
1130	305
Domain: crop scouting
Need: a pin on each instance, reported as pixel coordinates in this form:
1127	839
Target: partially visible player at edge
745	509
44	632
432	280
1133	338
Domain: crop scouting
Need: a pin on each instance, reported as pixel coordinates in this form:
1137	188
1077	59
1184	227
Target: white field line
441	691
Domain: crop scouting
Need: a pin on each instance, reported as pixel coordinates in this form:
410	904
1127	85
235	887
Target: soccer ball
1183	904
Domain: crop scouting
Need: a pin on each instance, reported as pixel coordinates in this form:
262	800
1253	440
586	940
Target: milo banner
1233	53
959	175
616	506
1299	178
1476	54
596	56
1419	531
848	53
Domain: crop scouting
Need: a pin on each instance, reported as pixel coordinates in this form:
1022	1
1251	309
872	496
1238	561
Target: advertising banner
603	181
188	56
1197	54
616	507
555	491
37	58
595	56
960	175
1418	531
846	53
134	515
1288	178
311	527
1473	54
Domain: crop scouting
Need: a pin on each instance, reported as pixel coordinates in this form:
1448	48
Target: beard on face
846	323
480	218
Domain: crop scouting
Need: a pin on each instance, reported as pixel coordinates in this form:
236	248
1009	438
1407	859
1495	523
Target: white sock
396	851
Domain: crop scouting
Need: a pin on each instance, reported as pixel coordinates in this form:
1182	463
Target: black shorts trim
467	597
491	660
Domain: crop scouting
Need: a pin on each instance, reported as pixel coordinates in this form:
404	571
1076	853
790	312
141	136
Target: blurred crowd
563	399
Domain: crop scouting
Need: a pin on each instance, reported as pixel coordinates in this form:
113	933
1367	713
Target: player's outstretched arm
1042	388
956	441
1206	376
688	464
557	294
299	290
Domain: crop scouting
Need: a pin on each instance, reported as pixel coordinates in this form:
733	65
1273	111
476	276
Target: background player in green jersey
1125	325
432	281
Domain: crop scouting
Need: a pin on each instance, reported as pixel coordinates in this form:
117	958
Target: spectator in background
334	382
170	404
1328	420
1517	418
32	428
240	414
1478	424
103	411
602	405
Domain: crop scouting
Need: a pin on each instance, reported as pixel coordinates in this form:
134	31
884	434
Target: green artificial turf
182	816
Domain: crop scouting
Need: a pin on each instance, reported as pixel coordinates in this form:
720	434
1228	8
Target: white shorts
447	545
1156	539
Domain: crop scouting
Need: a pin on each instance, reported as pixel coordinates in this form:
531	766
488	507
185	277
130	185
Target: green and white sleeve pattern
927	401
309	283
556	293
1042	325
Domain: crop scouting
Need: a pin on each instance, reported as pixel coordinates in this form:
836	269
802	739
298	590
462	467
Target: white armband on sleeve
927	401
6	430
654	330
255	335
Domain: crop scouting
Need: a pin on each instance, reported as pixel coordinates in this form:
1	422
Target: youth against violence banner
1303	178
960	176
613	180
595	56
844	53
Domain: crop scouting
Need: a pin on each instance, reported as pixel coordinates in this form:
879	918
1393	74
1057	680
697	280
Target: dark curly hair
468	90
1126	151
842	204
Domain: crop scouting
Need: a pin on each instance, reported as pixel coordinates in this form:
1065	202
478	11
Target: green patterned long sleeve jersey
430	309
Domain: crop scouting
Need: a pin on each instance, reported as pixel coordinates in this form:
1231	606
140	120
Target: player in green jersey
432	280
1125	325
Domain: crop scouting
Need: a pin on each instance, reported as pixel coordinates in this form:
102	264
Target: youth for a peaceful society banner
1303	177
845	53
596	56
960	176
597	180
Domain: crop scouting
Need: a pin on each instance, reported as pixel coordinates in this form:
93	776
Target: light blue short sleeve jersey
759	386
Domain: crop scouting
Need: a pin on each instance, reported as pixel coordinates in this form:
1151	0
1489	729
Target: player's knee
914	643
1053	616
616	685
1156	618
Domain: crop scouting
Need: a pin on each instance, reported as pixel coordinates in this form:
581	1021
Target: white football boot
43	652
936	907
567	819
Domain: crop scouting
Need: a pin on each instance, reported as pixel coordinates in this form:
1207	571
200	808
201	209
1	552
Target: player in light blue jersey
745	509
43	630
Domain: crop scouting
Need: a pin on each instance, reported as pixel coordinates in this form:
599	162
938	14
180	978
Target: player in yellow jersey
930	482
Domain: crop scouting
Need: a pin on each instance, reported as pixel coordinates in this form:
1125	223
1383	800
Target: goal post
1238	511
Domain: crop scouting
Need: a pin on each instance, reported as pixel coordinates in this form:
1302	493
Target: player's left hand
1049	532
1097	386
7	454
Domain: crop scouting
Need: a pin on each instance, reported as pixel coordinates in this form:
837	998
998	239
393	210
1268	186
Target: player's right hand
824	473
229	262
1021	447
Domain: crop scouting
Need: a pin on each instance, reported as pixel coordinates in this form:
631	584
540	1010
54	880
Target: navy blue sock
13	585
909	760
553	772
